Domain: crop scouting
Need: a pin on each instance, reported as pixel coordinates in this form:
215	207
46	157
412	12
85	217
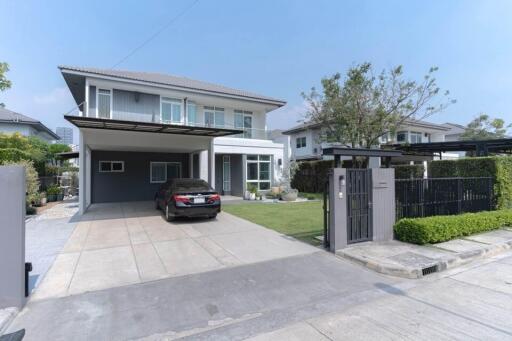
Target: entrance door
359	205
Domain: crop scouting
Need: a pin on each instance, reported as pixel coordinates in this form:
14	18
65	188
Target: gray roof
411	122
9	116
454	128
170	80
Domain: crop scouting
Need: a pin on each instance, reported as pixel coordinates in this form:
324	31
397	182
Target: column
211	164
81	173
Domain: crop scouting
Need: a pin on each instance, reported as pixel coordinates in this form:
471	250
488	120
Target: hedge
13	155
497	167
409	171
438	229
311	176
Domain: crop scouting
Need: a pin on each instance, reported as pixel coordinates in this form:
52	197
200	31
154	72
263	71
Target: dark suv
187	198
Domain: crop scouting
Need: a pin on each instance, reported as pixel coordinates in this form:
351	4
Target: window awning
149	127
344	151
482	147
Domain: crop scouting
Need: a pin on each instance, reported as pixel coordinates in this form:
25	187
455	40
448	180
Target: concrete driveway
120	244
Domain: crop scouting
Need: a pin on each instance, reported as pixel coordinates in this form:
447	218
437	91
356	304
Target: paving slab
149	264
296	332
104	268
492	237
414	261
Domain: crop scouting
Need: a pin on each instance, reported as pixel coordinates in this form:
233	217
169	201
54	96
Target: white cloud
56	95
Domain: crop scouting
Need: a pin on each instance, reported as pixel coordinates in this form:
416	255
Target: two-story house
12	122
306	142
138	129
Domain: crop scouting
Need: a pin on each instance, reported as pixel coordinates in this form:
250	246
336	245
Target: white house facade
306	142
137	130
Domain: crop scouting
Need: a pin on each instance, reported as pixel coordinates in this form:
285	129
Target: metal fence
443	196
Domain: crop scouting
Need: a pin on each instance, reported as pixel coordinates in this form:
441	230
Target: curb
7	315
441	264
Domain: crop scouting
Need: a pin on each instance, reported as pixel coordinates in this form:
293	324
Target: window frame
416	134
192	104
166	163
215	110
258	162
171	100
406	140
111	166
300	142
111	95
247	130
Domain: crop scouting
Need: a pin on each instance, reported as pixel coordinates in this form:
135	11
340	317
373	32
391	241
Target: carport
128	160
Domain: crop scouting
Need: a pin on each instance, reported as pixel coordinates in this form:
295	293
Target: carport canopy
337	152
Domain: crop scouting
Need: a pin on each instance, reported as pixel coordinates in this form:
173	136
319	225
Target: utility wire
154	35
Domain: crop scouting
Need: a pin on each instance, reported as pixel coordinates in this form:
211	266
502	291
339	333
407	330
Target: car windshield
191	185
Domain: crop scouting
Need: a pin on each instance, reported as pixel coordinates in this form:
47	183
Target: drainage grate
429	270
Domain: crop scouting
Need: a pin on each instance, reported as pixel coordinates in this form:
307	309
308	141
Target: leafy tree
360	108
4	82
484	127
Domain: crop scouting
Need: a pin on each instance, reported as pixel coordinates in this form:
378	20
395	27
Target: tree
359	109
4	82
484	127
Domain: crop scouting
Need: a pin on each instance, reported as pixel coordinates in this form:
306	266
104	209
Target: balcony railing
248	133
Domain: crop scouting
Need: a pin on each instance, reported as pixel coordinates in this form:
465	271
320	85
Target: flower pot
60	196
51	197
43	201
252	196
275	190
289	196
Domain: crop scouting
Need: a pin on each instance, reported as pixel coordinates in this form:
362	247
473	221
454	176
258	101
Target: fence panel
442	196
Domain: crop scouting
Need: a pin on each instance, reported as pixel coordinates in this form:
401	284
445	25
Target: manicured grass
312	196
301	220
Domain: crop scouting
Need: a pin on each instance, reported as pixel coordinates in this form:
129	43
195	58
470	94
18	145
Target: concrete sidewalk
414	261
470	303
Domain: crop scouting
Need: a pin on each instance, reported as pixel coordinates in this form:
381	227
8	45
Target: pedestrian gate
359	205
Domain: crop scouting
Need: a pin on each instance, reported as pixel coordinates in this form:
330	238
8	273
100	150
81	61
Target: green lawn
301	220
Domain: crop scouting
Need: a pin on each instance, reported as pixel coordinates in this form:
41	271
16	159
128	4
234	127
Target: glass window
415	137
214	117
162	171
301	142
171	110
401	136
258	171
104	99
191	113
252	171
111	166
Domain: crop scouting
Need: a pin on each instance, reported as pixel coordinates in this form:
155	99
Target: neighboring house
65	134
456	130
305	139
13	122
138	129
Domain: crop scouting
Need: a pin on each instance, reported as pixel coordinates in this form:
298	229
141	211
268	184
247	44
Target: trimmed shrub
409	171
13	155
311	176
497	167
438	229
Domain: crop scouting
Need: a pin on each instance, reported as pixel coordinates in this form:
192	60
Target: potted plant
53	192
43	198
250	194
35	199
289	194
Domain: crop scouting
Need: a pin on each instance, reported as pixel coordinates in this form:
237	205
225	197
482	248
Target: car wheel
167	216
157	206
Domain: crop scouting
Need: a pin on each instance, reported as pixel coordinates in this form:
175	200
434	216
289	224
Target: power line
154	35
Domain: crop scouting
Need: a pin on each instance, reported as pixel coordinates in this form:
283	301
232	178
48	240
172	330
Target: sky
273	47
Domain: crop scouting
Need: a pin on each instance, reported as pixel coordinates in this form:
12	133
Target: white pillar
81	174
203	165
88	182
211	165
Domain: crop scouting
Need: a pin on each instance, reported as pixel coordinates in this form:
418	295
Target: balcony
153	122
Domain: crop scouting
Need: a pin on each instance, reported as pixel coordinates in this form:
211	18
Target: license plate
199	201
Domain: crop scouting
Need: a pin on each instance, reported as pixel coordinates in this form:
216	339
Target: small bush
438	229
311	176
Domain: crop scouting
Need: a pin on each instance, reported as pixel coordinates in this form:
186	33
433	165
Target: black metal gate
359	205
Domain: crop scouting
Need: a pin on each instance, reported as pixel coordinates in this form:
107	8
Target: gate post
337	209
12	236
384	203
